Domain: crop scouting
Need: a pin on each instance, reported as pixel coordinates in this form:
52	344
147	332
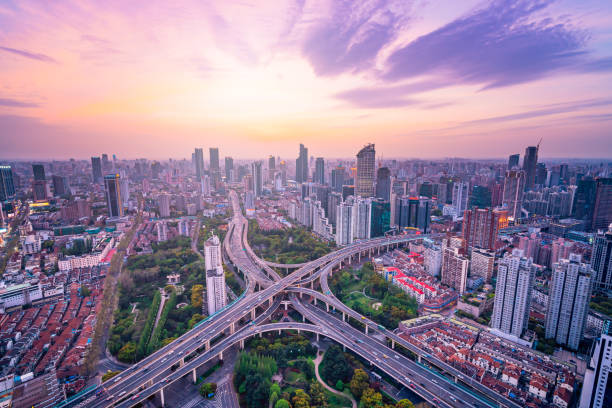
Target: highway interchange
220	331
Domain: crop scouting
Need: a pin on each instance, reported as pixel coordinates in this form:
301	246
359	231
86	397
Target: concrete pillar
393	344
195	376
298	330
207	345
311	284
300	295
303	319
359	257
220	355
161	396
260	334
419	358
366	329
343	317
315	301
232	328
455	379
344	348
241	344
253	314
270	302
279	332
285	305
327	306
317	337
182	362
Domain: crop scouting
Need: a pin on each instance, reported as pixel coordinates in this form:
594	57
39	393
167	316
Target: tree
109	374
370	399
317	395
335	366
127	353
85	291
196	296
282	403
208	390
405	403
340	385
301	399
359	382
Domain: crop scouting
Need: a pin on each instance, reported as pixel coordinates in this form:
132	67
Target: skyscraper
481	226
366	161
513	161
96	169
113	195
383	183
337	179
412	212
7	187
39	189
597	389
215	278
515	275
601	260
454	269
199	162
381	217
344	222
362	218
214	159
514	185
333	202
60	185
319	171
257	178
530	162
460	197
584	201
229	167
568	301
39	172
602	210
301	165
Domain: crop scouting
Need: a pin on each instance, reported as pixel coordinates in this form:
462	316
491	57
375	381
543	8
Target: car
167	379
135	396
412	385
453	398
164	359
121	394
434	381
117	380
110	398
437	401
362	317
397	357
385	356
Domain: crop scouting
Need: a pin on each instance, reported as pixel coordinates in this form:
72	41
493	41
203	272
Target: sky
419	78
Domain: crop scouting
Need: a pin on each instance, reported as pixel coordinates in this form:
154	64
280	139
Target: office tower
362	218
278	181
106	166
283	171
198	162
344	222
205	187
125	189
113	195
96	169
319	176
515	275
482	263
541	174
347	191
257	178
602	209
322	193
514	185
39	172
568	301
229	166
481	226
513	161
381	218
337	179
39	190
301	165
412	212
383	183
597	385
7	186
333	201
480	197
454	269
584	201
162	231
497	194
460	197
601	260
271	168
214	159
530	161
163	205
364	182
215	278
60	185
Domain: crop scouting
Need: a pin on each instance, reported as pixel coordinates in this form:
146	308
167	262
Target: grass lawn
292	377
336	401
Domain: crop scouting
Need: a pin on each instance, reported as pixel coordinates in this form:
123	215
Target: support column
317	337
207	345
279	332
327	306
343	317
344	348
241	344
161	395
285	305
298	330
270	302
419	358
303	319
195	376
366	329
311	284
393	344
253	314
455	379
315	301
182	362
232	328
220	355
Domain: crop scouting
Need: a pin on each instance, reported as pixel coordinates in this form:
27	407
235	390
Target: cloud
13	103
502	44
353	34
28	54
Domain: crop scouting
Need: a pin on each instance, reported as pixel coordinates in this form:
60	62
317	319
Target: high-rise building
162	231
198	158
482	263
319	176
344	222
597	385
541	174
362	218
163	205
39	190
113	195
214	159
515	275
60	185
229	167
601	260
283	171
481	226
96	169
301	165
39	172
454	269
530	162
383	183
333	201
337	178
271	168
215	278
7	186
366	168
432	259
514	185
568	301
257	178
412	212
106	166
513	161
460	197
381	217
584	201
602	210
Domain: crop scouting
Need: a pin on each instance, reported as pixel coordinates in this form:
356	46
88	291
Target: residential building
198	163
601	260
596	388
481	226
383	183
301	165
215	277
337	179
229	167
454	269
319	176
460	197
344	222
602	210
113	195
482	264
362	218
163	205
214	160
257	178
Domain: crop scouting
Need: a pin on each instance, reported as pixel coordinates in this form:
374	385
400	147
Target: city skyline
252	75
